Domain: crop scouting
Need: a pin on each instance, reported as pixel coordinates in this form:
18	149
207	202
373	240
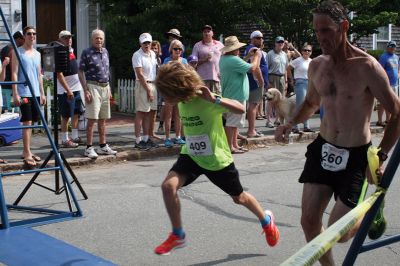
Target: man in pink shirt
208	52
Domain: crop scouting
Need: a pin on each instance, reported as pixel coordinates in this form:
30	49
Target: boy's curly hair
178	81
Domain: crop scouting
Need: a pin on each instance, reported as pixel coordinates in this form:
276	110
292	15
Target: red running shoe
271	231
171	243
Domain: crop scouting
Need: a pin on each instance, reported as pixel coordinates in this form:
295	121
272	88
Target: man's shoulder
218	43
248	47
197	44
136	53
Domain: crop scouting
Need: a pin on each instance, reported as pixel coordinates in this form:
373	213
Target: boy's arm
232	105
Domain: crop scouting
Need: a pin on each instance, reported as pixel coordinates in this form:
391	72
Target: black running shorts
226	179
29	111
346	184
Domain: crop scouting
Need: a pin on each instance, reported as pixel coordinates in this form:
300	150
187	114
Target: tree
125	20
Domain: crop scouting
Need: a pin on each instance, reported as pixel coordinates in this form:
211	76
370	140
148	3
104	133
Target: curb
136	155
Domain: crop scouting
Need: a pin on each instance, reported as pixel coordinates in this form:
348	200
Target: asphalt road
125	219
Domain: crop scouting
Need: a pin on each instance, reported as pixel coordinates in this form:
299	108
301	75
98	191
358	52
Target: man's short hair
333	9
18	35
28	28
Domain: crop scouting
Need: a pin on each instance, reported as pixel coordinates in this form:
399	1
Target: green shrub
376	53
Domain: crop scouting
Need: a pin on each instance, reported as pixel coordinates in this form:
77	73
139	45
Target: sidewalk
120	136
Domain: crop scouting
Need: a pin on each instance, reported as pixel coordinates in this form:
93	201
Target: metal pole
387	178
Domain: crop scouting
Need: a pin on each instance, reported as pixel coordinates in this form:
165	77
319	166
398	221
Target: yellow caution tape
373	163
315	249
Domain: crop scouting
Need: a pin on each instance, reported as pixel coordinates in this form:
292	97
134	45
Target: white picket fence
126	95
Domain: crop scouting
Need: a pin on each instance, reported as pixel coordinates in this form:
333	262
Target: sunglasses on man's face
307	50
31	33
177	49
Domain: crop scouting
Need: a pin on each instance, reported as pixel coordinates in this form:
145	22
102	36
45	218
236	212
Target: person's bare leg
167	120
26	140
75	121
101	127
177	122
235	139
169	188
153	116
338	211
146	124
138	123
230	131
89	131
250	202
315	199
251	117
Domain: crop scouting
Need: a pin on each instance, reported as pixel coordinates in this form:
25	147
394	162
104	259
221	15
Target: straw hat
231	43
174	32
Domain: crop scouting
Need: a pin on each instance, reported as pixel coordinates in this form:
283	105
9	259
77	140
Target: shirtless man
345	81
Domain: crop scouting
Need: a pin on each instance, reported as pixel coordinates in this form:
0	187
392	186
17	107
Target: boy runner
206	150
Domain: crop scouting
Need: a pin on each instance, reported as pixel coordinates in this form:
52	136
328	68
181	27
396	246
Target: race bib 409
199	145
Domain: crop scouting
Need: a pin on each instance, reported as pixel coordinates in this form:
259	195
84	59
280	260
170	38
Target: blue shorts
69	108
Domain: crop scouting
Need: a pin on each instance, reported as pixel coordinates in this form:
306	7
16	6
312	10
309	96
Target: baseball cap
256	34
145	37
279	39
192	58
17	35
391	44
64	33
208	27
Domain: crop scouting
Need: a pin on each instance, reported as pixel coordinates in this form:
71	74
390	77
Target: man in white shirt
69	95
144	63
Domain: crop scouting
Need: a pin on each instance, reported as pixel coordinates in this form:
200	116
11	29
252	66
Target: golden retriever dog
285	107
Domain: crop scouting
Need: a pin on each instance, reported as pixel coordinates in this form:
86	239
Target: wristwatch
382	156
217	99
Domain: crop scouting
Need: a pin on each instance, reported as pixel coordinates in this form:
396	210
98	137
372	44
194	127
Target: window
383	36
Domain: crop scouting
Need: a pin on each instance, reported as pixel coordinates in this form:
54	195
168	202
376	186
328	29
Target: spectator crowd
234	70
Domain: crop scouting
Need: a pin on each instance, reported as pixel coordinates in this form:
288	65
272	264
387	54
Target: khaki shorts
235	120
142	104
256	95
277	82
99	107
214	86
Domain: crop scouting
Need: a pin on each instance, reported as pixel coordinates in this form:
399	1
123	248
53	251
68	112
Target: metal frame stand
57	190
54	215
357	245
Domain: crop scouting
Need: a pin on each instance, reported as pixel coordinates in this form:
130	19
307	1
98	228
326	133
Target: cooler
8	136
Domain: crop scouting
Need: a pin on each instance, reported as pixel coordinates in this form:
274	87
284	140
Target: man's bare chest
342	83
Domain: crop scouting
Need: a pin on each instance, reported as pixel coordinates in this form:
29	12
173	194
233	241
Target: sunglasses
31	33
146	43
177	49
280	42
258	38
307	50
66	37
